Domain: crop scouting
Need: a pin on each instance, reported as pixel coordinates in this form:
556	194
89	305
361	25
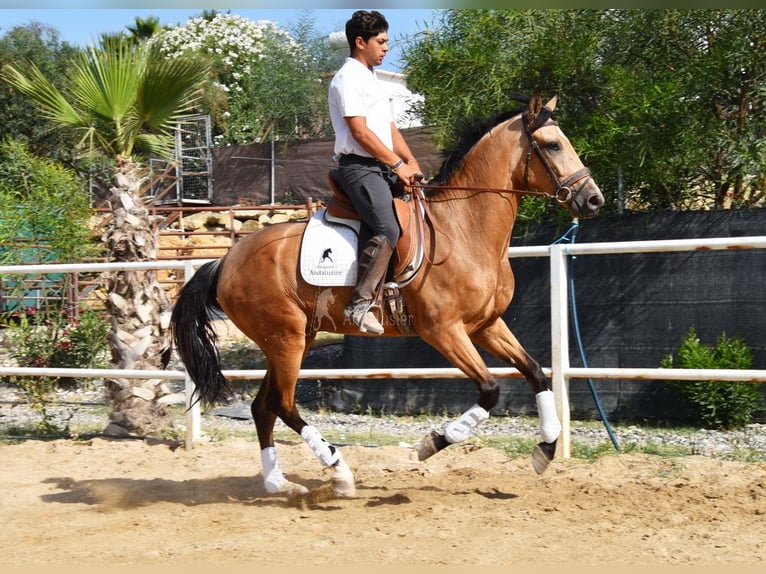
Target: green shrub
718	404
54	340
57	340
44	216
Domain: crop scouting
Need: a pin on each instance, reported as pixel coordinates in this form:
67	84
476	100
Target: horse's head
552	165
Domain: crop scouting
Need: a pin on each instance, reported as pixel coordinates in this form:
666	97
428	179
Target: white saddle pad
328	253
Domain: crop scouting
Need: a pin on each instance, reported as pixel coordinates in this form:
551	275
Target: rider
371	153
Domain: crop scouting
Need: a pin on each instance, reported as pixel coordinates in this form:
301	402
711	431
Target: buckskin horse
454	302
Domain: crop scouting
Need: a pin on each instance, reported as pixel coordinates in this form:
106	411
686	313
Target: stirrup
362	316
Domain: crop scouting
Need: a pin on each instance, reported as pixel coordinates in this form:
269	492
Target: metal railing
560	371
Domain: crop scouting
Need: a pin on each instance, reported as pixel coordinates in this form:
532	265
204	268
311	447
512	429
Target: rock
172	399
116	430
197	221
279	218
251	225
298	215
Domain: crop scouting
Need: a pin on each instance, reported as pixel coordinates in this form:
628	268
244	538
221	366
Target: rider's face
373	50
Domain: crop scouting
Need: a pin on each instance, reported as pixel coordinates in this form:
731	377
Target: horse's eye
553	146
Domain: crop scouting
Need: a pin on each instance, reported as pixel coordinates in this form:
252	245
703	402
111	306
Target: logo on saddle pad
329	253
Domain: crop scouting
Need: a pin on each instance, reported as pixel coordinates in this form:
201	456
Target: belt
352	157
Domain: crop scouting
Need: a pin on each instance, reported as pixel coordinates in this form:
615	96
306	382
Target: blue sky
83	26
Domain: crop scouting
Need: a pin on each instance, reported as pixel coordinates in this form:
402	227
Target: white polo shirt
355	91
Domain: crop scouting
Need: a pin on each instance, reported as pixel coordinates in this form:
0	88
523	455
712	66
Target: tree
264	80
123	100
688	104
471	63
144	28
668	100
43	206
140	31
20	120
44	219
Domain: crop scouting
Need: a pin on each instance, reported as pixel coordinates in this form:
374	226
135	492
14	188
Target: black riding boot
373	265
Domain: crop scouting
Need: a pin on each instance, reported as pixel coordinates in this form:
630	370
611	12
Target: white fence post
560	345
193	414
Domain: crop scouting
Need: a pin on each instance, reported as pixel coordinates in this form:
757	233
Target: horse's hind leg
498	340
276	398
273	479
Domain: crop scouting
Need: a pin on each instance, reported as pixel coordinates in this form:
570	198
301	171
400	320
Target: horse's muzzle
587	199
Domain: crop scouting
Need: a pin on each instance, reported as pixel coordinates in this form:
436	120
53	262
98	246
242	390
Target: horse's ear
551	105
535	105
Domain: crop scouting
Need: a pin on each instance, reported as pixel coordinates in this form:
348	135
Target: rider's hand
410	172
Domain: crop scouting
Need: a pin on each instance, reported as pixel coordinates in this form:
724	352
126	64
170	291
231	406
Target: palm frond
49	99
169	88
122	96
156	145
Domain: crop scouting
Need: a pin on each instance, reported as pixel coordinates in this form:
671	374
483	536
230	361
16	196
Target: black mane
472	132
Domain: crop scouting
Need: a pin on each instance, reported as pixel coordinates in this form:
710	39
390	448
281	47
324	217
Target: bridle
565	190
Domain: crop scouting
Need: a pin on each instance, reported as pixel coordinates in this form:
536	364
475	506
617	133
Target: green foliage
119	99
45	210
672	97
44	219
53	339
263	76
40	44
82	342
719	404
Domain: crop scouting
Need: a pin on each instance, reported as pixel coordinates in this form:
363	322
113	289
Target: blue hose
570	235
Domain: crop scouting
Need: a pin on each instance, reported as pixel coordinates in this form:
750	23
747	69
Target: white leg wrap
550	426
462	427
327	454
273	479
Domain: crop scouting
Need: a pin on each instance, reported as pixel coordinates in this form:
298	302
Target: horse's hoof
343	481
431	444
343	487
287	488
543	455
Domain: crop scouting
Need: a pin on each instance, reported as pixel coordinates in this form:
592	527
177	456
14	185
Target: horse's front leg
457	348
498	340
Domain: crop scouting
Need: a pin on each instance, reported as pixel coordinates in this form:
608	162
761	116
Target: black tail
194	336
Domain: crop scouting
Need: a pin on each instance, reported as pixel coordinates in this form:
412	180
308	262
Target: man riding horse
372	153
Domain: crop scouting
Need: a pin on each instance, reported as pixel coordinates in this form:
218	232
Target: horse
454	302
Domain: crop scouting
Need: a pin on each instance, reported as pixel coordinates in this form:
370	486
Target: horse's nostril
596	200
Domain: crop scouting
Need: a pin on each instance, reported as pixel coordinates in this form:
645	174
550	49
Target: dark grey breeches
369	185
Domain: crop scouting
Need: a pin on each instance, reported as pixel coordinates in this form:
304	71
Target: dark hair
364	24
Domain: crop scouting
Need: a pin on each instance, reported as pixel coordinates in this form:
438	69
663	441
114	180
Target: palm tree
144	28
123	100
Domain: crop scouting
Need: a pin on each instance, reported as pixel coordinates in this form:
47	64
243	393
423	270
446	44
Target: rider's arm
376	148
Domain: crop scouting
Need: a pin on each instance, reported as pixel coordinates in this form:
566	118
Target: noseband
565	190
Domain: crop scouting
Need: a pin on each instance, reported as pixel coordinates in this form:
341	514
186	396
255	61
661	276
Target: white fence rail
560	372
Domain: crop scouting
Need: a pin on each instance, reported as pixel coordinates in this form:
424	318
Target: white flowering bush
261	74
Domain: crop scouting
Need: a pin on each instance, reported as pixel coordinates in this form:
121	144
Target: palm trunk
139	310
